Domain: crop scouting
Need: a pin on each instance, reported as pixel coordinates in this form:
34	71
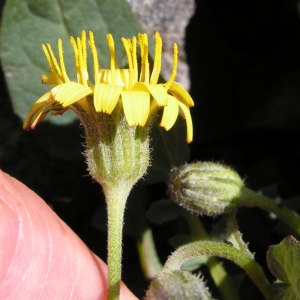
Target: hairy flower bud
205	187
177	285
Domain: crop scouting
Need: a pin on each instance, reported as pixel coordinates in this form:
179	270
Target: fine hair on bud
205	187
177	285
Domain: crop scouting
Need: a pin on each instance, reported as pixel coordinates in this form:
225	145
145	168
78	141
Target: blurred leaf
163	211
284	262
179	240
194	263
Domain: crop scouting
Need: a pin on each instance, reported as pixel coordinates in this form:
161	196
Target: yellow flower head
134	88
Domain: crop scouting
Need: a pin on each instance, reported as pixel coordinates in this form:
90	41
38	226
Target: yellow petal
158	92
34	115
136	106
38	111
181	94
106	97
47	96
170	113
189	124
32	120
71	92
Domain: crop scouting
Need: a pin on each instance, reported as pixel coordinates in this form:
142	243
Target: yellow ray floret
136	107
106	97
134	88
71	92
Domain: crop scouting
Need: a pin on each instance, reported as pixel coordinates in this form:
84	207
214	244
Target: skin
40	256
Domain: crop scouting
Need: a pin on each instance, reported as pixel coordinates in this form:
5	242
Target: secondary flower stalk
209	248
116	111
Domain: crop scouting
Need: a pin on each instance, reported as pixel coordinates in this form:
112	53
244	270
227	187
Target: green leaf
284	262
28	24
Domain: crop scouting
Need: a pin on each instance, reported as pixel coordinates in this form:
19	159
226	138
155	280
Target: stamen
113	62
80	60
111	46
144	76
61	61
85	74
55	64
174	71
95	57
134	59
127	45
147	71
142	55
82	73
157	59
48	58
53	71
75	48
83	44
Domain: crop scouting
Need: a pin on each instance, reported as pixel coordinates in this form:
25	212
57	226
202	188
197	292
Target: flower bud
205	187
177	285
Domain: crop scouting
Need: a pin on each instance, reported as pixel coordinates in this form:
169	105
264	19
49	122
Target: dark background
245	82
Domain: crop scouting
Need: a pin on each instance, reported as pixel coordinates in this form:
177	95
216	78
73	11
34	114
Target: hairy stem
216	270
253	199
116	196
209	248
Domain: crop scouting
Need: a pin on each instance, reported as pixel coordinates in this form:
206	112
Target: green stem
148	256
116	196
209	248
252	199
216	270
235	236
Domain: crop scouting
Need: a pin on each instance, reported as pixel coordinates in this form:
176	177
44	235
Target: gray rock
170	18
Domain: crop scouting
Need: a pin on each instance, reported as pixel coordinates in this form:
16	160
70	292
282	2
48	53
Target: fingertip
40	256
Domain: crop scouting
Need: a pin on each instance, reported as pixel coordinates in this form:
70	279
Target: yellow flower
134	88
